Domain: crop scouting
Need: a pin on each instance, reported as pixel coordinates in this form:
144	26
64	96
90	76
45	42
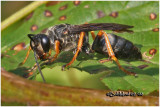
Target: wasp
67	37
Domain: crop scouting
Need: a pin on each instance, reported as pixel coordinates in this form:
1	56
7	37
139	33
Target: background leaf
129	12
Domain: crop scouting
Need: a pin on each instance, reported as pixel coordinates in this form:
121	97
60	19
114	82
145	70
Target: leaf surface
134	13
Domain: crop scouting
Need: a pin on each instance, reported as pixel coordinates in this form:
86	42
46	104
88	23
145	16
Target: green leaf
136	13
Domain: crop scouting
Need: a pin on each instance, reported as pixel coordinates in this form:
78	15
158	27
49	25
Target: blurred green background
10	7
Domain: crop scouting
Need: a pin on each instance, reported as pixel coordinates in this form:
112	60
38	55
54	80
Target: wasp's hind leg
80	43
93	35
26	57
111	53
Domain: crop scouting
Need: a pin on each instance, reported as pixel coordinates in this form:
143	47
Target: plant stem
21	13
19	91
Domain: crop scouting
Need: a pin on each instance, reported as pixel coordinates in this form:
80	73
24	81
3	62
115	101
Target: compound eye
45	43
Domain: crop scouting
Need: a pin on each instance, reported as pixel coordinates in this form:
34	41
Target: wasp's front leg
50	60
57	45
26	57
111	53
80	43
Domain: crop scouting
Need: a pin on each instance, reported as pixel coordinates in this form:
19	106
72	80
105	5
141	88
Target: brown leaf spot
156	30
44	30
63	7
48	13
152	51
76	3
29	16
142	66
51	3
100	14
19	47
153	16
114	14
129	67
62	17
34	27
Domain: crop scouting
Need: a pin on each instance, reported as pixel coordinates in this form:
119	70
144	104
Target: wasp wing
99	26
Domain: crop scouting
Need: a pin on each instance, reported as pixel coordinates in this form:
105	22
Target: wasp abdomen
122	48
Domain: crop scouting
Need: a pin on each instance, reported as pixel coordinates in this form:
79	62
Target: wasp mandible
67	37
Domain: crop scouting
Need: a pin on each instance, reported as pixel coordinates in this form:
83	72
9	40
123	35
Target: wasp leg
50	51
46	56
26	57
57	45
80	43
105	60
93	35
111	53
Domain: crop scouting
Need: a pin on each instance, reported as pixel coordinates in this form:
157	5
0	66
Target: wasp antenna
39	67
31	36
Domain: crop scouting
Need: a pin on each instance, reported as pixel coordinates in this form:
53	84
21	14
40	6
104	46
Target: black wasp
67	37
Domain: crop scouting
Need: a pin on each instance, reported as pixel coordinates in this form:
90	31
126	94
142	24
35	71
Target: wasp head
40	43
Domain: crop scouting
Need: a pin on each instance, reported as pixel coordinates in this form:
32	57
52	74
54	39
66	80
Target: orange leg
80	43
57	44
111	53
50	51
45	56
105	60
26	57
92	32
93	35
